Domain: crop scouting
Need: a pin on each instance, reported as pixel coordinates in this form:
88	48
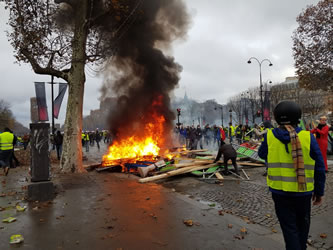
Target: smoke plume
141	74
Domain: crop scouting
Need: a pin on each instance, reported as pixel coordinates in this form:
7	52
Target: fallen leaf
239	237
188	223
41	220
243	230
212	205
268	215
274	230
323	236
221	212
230	226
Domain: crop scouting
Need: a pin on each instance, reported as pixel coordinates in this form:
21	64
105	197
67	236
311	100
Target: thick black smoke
140	72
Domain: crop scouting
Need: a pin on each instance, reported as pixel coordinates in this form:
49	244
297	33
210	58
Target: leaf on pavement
323	236
230	225
188	223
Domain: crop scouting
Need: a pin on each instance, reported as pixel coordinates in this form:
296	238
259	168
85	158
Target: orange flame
138	147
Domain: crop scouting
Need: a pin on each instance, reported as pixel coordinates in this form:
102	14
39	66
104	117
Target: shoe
226	173
6	171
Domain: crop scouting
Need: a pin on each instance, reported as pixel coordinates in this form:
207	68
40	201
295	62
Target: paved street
113	211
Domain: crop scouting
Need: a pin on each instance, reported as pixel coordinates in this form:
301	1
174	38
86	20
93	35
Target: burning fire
143	146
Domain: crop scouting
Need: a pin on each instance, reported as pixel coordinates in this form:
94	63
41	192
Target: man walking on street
296	173
6	149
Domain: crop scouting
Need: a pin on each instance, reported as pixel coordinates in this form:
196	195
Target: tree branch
43	71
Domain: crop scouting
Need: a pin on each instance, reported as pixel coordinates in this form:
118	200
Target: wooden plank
219	176
175	172
251	164
245	174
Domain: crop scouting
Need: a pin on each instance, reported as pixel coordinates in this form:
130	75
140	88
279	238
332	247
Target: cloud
223	36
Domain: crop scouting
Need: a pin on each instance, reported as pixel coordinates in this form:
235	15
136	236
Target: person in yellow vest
86	141
6	149
231	132
296	173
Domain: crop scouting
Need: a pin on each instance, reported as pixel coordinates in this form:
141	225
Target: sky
222	36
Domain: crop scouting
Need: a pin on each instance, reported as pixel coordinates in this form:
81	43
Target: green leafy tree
313	46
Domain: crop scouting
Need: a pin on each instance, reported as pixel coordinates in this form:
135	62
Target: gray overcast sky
223	35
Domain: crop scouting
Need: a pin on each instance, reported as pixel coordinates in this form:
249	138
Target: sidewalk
114	211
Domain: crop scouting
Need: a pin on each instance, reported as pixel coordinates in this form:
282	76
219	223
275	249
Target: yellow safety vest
281	172
232	131
6	141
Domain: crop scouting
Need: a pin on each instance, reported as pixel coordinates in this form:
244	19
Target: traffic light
258	113
178	111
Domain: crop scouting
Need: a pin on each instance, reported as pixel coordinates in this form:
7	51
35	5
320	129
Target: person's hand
317	200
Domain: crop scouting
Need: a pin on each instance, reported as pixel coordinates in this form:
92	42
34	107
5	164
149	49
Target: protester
239	133
231	132
58	140
229	153
26	139
97	138
321	133
13	161
199	137
296	173
6	149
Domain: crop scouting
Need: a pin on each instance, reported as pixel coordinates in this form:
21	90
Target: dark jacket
315	154
227	150
58	138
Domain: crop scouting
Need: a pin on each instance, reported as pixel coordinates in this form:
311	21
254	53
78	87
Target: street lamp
261	99
230	113
220	107
178	114
244	97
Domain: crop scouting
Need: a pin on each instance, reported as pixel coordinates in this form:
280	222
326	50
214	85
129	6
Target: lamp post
220	107
244	97
260	63
178	114
230	113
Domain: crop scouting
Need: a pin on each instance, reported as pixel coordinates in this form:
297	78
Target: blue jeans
294	217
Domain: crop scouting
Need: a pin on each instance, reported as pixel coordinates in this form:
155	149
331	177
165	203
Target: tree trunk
71	159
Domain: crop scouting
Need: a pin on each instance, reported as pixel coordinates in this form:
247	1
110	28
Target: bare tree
6	115
59	38
313	46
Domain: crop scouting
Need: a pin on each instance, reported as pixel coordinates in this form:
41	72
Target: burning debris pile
142	76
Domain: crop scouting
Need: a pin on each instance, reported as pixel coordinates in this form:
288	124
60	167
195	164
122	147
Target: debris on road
16	238
9	220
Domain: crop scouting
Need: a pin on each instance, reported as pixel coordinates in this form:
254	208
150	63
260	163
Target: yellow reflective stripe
288	165
288	179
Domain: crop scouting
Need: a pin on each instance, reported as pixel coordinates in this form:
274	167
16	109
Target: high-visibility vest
281	172
232	131
82	136
6	141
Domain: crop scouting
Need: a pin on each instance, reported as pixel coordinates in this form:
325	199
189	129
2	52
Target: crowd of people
196	137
